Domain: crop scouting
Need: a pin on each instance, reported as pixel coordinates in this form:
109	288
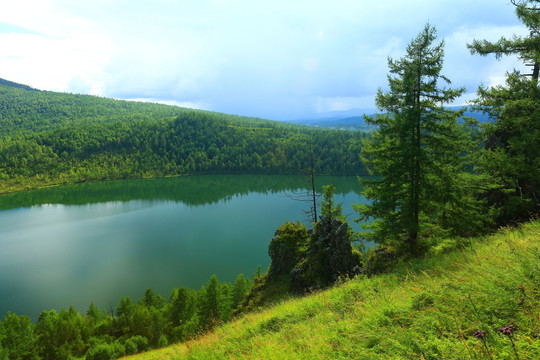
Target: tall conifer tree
512	154
418	154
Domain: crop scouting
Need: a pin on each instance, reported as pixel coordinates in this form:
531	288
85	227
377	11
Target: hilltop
431	308
49	138
25	110
16	85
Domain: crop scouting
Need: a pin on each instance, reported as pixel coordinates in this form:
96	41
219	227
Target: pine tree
241	287
329	208
48	337
150	300
124	311
512	154
527	48
18	337
181	306
417	155
210	303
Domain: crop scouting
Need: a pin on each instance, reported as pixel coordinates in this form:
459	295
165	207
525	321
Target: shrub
380	259
162	342
106	352
136	344
287	246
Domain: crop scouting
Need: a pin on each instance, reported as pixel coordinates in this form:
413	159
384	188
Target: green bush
106	352
162	342
287	246
380	259
136	344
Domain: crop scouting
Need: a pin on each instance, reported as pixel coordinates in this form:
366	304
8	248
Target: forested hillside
50	138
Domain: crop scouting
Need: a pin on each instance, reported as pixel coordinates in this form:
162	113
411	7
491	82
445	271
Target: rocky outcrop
329	256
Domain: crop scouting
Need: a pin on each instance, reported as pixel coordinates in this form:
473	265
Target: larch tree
210	303
527	48
512	152
418	156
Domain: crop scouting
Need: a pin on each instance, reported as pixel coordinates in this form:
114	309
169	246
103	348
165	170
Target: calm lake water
98	242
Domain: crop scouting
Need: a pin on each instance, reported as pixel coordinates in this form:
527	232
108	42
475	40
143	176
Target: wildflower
507	330
479	334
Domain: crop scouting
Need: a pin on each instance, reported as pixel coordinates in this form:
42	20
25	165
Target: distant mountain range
354	119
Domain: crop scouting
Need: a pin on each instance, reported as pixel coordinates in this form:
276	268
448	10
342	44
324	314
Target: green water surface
98	242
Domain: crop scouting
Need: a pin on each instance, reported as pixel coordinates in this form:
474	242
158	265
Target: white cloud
277	59
465	69
184	104
62	50
50	63
330	104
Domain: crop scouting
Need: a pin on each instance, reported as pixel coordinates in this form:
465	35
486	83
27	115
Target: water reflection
101	241
190	190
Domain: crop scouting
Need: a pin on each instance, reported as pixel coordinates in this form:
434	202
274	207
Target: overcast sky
279	59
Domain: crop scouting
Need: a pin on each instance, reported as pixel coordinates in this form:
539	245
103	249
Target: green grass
424	309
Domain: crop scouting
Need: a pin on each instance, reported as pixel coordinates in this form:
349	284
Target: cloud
184	104
469	70
331	104
277	59
50	63
55	49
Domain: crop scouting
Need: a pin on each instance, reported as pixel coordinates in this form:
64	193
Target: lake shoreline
99	241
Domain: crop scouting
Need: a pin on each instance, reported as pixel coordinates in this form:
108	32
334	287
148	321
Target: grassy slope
424	309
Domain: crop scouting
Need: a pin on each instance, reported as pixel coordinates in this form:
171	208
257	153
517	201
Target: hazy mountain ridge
354	119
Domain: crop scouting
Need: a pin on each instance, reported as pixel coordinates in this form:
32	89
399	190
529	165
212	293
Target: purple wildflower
479	334
507	330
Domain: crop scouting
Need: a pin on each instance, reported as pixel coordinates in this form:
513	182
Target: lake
98	242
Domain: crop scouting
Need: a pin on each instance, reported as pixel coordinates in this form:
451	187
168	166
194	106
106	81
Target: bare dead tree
310	196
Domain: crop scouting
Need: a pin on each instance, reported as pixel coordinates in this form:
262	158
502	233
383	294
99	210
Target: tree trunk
313	184
413	236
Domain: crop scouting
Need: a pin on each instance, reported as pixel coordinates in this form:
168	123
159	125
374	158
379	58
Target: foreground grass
424	309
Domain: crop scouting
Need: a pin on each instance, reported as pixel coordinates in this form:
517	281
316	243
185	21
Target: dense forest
435	185
131	327
50	138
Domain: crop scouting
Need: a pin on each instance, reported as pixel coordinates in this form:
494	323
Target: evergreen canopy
418	152
512	155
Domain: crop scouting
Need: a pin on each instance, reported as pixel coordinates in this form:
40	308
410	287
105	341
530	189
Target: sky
279	59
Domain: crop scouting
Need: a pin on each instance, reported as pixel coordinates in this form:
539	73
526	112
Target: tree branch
514	2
